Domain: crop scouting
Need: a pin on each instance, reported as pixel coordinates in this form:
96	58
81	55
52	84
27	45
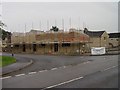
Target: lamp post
79	41
12	50
83	49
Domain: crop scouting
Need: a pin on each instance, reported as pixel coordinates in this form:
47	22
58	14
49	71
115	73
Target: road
98	71
42	62
104	79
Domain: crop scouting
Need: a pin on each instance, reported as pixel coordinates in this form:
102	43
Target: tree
4	34
54	28
2	24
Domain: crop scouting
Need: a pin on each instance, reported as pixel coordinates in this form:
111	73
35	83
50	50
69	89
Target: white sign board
98	50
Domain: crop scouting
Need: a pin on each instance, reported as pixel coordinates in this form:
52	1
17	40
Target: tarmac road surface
104	79
103	67
43	62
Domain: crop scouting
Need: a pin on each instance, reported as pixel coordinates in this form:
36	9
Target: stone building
59	42
98	38
114	40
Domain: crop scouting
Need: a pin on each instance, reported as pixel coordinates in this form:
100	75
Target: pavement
98	69
113	52
20	64
107	53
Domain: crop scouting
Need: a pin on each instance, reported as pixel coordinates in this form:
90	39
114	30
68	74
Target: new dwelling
56	41
53	41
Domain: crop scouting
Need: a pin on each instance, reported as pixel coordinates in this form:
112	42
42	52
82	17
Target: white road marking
6	77
19	75
63	83
43	71
86	62
54	68
64	66
32	72
109	68
60	67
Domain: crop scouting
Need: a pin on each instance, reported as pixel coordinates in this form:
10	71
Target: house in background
98	38
114	40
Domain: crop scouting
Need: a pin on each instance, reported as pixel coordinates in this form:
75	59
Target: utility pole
47	24
79	23
40	25
55	22
32	25
70	22
19	35
83	25
63	28
63	24
25	33
79	40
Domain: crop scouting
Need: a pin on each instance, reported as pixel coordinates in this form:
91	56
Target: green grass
6	60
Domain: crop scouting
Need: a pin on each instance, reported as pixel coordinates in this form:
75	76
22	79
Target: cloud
96	15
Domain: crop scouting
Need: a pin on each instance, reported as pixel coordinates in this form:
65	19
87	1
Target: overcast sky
94	15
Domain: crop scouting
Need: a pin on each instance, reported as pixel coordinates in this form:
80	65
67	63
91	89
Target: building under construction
51	42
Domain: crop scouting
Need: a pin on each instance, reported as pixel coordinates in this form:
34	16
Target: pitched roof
94	33
114	35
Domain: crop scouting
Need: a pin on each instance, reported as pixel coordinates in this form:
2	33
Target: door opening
24	48
55	47
34	47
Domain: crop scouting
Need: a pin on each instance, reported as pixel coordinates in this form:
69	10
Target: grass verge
6	60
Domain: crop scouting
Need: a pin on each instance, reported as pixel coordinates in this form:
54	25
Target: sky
23	16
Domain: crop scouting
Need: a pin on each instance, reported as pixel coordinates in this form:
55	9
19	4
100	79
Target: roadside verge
14	67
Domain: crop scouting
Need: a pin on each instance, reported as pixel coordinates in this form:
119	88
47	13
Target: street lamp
83	48
12	50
